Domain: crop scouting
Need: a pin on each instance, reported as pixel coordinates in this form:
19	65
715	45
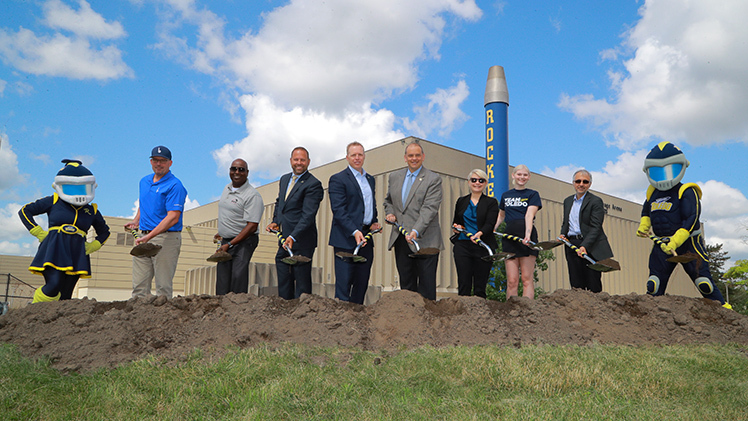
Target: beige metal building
111	265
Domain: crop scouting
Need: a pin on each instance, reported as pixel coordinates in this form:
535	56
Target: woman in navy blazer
476	213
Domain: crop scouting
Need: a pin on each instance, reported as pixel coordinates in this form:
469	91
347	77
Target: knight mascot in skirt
672	212
62	257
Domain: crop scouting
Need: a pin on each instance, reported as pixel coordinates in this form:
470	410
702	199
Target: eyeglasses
238	169
478	180
581	181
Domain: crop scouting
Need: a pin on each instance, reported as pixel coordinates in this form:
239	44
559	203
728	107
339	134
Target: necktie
409	178
290	185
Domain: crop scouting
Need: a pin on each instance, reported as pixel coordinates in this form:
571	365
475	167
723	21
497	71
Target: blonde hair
517	168
479	172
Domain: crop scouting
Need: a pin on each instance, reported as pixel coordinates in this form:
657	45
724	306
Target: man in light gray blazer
414	196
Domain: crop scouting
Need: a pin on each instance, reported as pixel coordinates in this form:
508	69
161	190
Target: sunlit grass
295	382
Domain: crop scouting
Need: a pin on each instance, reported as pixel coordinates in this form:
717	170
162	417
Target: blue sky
591	84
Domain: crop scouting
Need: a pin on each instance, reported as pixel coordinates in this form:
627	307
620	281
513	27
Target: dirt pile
81	335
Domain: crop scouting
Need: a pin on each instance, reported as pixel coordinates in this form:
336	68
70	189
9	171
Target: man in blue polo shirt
159	219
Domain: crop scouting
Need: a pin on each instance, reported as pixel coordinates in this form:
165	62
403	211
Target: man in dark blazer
294	216
354	214
414	196
583	226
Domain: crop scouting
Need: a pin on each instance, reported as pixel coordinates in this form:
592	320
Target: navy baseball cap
161	151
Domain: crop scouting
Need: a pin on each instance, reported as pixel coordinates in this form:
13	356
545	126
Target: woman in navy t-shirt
518	207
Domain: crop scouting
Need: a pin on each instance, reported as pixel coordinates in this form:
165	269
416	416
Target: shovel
420	253
292	259
542	245
143	249
683	258
354	257
219	255
605	265
491	256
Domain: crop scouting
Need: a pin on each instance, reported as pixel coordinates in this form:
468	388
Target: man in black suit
294	216
583	226
354	214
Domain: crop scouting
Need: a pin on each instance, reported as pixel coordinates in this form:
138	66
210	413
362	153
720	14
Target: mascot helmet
665	166
74	183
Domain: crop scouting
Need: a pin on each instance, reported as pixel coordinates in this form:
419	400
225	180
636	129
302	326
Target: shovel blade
350	257
683	258
219	256
606	265
497	257
547	245
425	252
145	250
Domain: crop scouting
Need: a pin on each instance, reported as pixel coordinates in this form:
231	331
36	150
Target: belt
575	237
69	229
149	231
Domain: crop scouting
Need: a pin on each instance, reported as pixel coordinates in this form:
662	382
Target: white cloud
312	74
622	178
722	201
19	248
325	136
684	79
83	22
9	174
13	229
71	56
190	204
442	113
2	87
329	55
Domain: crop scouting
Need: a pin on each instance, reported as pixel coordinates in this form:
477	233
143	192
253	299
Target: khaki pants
161	266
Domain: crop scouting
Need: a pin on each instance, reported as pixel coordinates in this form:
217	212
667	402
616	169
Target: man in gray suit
414	196
583	226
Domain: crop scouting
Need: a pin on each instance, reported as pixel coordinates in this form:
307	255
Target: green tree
736	279
717	258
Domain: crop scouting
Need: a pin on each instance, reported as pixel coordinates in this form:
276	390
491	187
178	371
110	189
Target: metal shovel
219	255
492	257
143	249
420	253
354	257
676	258
605	265
541	245
292	259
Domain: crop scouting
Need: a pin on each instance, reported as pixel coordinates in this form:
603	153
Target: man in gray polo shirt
239	213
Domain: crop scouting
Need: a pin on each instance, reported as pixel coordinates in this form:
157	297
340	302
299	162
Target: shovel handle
532	244
477	241
575	248
405	233
660	241
281	240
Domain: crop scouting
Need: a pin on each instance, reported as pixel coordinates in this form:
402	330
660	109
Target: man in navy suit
354	214
294	216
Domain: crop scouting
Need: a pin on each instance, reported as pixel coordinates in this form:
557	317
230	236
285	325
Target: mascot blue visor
75	189
668	172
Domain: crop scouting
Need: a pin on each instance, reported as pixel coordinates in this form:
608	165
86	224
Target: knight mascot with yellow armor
62	257
672	212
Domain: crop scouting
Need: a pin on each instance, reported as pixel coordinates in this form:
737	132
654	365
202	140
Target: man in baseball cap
159	218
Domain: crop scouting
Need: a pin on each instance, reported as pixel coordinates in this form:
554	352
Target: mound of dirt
82	335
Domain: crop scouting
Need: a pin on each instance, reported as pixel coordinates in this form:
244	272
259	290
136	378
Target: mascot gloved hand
644	226
39	233
93	246
676	241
